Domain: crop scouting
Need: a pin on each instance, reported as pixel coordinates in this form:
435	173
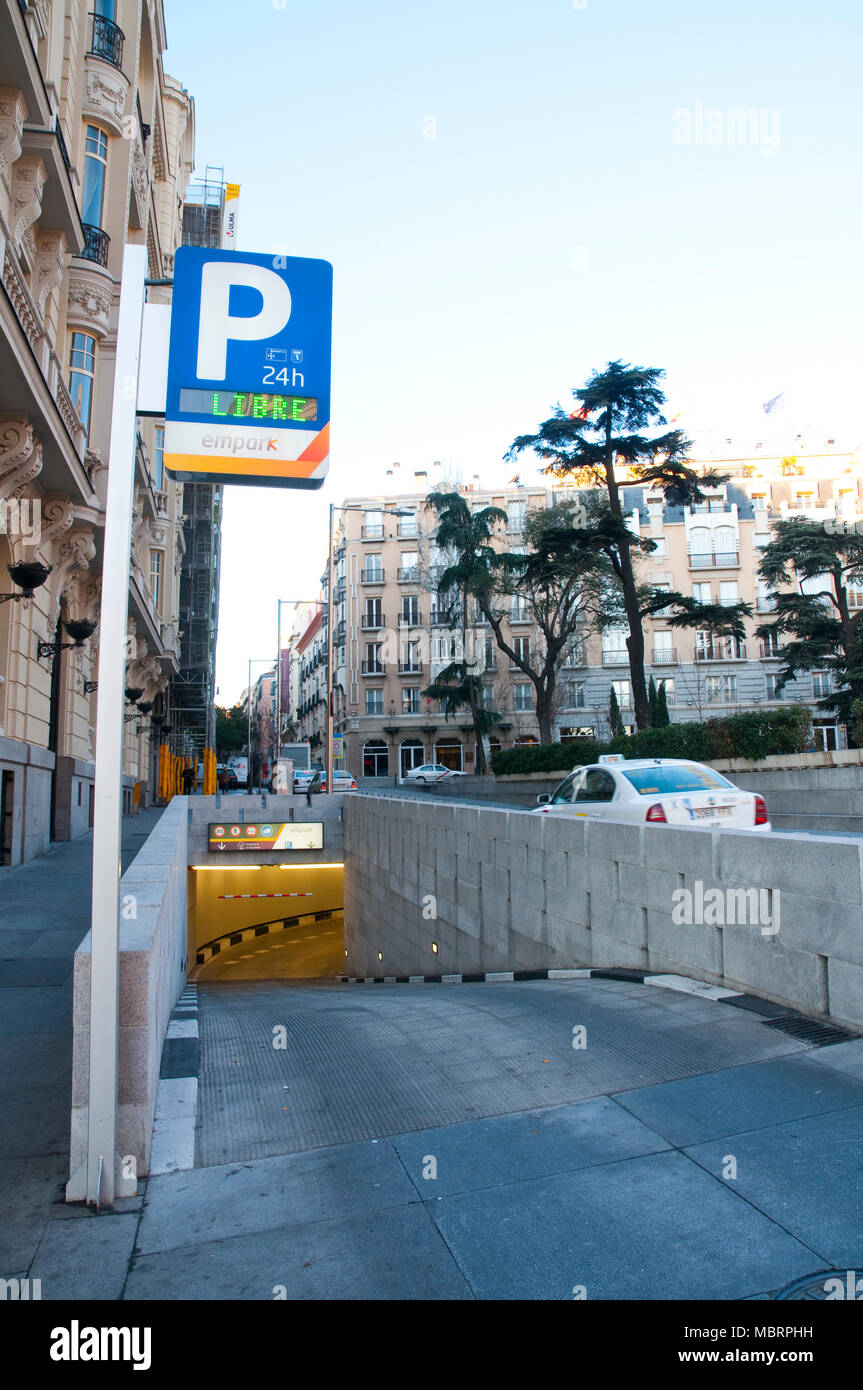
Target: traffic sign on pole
248	396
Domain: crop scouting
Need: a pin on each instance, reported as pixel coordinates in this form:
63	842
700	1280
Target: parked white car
429	772
659	791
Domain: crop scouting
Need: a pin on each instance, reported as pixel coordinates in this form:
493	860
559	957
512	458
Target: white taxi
656	791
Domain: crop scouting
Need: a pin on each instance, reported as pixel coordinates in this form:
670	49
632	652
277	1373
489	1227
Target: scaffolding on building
191	711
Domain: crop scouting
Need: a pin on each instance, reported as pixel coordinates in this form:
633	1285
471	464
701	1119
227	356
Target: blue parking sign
249	369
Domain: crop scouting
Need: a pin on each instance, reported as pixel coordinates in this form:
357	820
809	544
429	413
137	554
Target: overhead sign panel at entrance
249	369
257	836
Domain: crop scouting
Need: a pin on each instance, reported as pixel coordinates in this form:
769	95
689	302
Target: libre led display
248	405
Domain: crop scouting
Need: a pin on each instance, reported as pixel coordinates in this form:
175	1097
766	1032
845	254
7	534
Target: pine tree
651	702
614	719
661	718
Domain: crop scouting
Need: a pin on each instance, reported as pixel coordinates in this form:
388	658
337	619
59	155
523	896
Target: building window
773	691
410	699
373	526
376	758
576	694
721	690
158	459
373	616
155	575
410	614
661	550
82	368
484	695
728	594
520	612
515	518
449	754
409	568
373	570
521	696
667	682
95	170
820	684
701	593
411	754
623	694
521	647
614	648
374	701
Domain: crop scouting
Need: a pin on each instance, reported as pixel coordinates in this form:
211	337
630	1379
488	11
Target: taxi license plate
710	812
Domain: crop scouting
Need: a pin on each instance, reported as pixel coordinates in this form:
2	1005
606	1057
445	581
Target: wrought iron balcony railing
96	243
106	40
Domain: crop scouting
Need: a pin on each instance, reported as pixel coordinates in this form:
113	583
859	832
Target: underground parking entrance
266	922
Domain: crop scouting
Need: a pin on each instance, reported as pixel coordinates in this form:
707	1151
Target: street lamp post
331	685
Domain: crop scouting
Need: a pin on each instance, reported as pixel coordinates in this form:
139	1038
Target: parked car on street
427	773
343	781
657	791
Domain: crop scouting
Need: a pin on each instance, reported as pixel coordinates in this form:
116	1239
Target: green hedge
759	734
546	757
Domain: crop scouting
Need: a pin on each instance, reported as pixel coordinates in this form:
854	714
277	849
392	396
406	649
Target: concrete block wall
497	889
153	965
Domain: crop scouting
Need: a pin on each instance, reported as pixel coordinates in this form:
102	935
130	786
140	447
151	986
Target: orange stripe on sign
303	467
317	451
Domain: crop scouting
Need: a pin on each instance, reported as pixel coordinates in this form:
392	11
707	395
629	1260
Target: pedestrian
188	780
308	793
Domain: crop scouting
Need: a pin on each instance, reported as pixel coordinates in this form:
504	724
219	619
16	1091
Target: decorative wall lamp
28	576
79	629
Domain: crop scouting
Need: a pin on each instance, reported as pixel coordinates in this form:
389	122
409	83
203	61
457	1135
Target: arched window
95	169
725	542
376	758
411	754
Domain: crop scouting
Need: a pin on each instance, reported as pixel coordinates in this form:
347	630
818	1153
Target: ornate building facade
96	150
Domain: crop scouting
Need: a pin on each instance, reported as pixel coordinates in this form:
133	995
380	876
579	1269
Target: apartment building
96	148
393	633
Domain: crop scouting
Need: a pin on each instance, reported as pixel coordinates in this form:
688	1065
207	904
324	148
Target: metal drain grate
809	1030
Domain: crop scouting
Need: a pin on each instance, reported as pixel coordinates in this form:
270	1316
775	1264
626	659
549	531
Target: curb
173	1146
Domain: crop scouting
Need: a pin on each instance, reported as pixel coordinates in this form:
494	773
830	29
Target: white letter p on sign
217	327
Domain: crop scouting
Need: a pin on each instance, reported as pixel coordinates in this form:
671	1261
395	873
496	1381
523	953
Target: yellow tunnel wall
211	914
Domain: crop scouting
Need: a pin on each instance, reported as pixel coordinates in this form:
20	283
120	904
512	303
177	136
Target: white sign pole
107	826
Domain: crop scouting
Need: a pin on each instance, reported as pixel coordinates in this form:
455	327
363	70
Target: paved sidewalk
449	1142
44	914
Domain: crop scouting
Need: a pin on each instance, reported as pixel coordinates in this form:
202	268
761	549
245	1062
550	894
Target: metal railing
714	559
410	575
720	649
410	668
96	243
372	576
372	620
373	668
106	40
664	656
372	533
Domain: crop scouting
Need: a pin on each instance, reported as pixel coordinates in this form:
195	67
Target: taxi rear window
651	781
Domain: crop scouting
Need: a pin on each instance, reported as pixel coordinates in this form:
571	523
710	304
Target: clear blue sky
552	223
